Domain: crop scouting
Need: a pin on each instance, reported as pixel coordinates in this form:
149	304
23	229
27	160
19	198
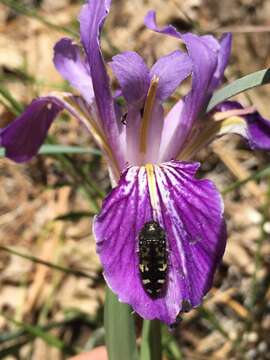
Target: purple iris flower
161	231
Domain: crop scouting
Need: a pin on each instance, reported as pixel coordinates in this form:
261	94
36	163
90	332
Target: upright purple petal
133	76
24	136
151	23
70	64
171	70
203	53
253	127
223	59
92	17
191	213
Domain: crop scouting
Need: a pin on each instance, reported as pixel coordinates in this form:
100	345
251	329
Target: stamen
207	134
149	102
150	172
235	112
76	106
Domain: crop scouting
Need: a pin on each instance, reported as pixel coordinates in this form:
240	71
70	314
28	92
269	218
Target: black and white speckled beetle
153	258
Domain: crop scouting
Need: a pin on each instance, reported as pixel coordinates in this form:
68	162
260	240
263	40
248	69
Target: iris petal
191	213
171	70
92	17
223	59
203	52
70	64
252	126
133	76
24	136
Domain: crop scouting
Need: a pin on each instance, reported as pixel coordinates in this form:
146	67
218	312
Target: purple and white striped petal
70	64
191	213
92	17
249	124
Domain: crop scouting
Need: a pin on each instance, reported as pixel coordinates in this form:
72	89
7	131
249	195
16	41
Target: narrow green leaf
34	259
12	349
48	338
78	317
15	106
28	11
119	329
151	341
210	316
245	83
170	345
51	149
75	215
256	176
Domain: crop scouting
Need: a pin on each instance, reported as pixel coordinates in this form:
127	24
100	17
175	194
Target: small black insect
153	262
124	118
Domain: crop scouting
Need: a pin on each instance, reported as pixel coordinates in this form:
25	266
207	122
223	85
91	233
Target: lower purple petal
191	213
24	136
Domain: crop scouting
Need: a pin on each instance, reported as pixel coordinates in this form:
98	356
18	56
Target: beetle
153	258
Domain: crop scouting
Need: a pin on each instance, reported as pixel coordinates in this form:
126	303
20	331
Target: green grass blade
170	345
22	9
54	149
75	215
12	349
51	149
256	176
15	106
38	332
34	259
213	320
151	341
245	83
119	329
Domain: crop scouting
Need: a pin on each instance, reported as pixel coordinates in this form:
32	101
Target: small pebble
266	227
252	337
251	354
262	347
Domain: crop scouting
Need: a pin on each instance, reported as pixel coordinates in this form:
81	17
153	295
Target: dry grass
234	322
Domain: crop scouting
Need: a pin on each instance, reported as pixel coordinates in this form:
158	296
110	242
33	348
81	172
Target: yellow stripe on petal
152	186
148	107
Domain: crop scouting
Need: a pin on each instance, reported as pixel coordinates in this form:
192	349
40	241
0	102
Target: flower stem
151	348
120	333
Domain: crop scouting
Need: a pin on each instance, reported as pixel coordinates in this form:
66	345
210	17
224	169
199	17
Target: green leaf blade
245	83
151	341
56	149
120	333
